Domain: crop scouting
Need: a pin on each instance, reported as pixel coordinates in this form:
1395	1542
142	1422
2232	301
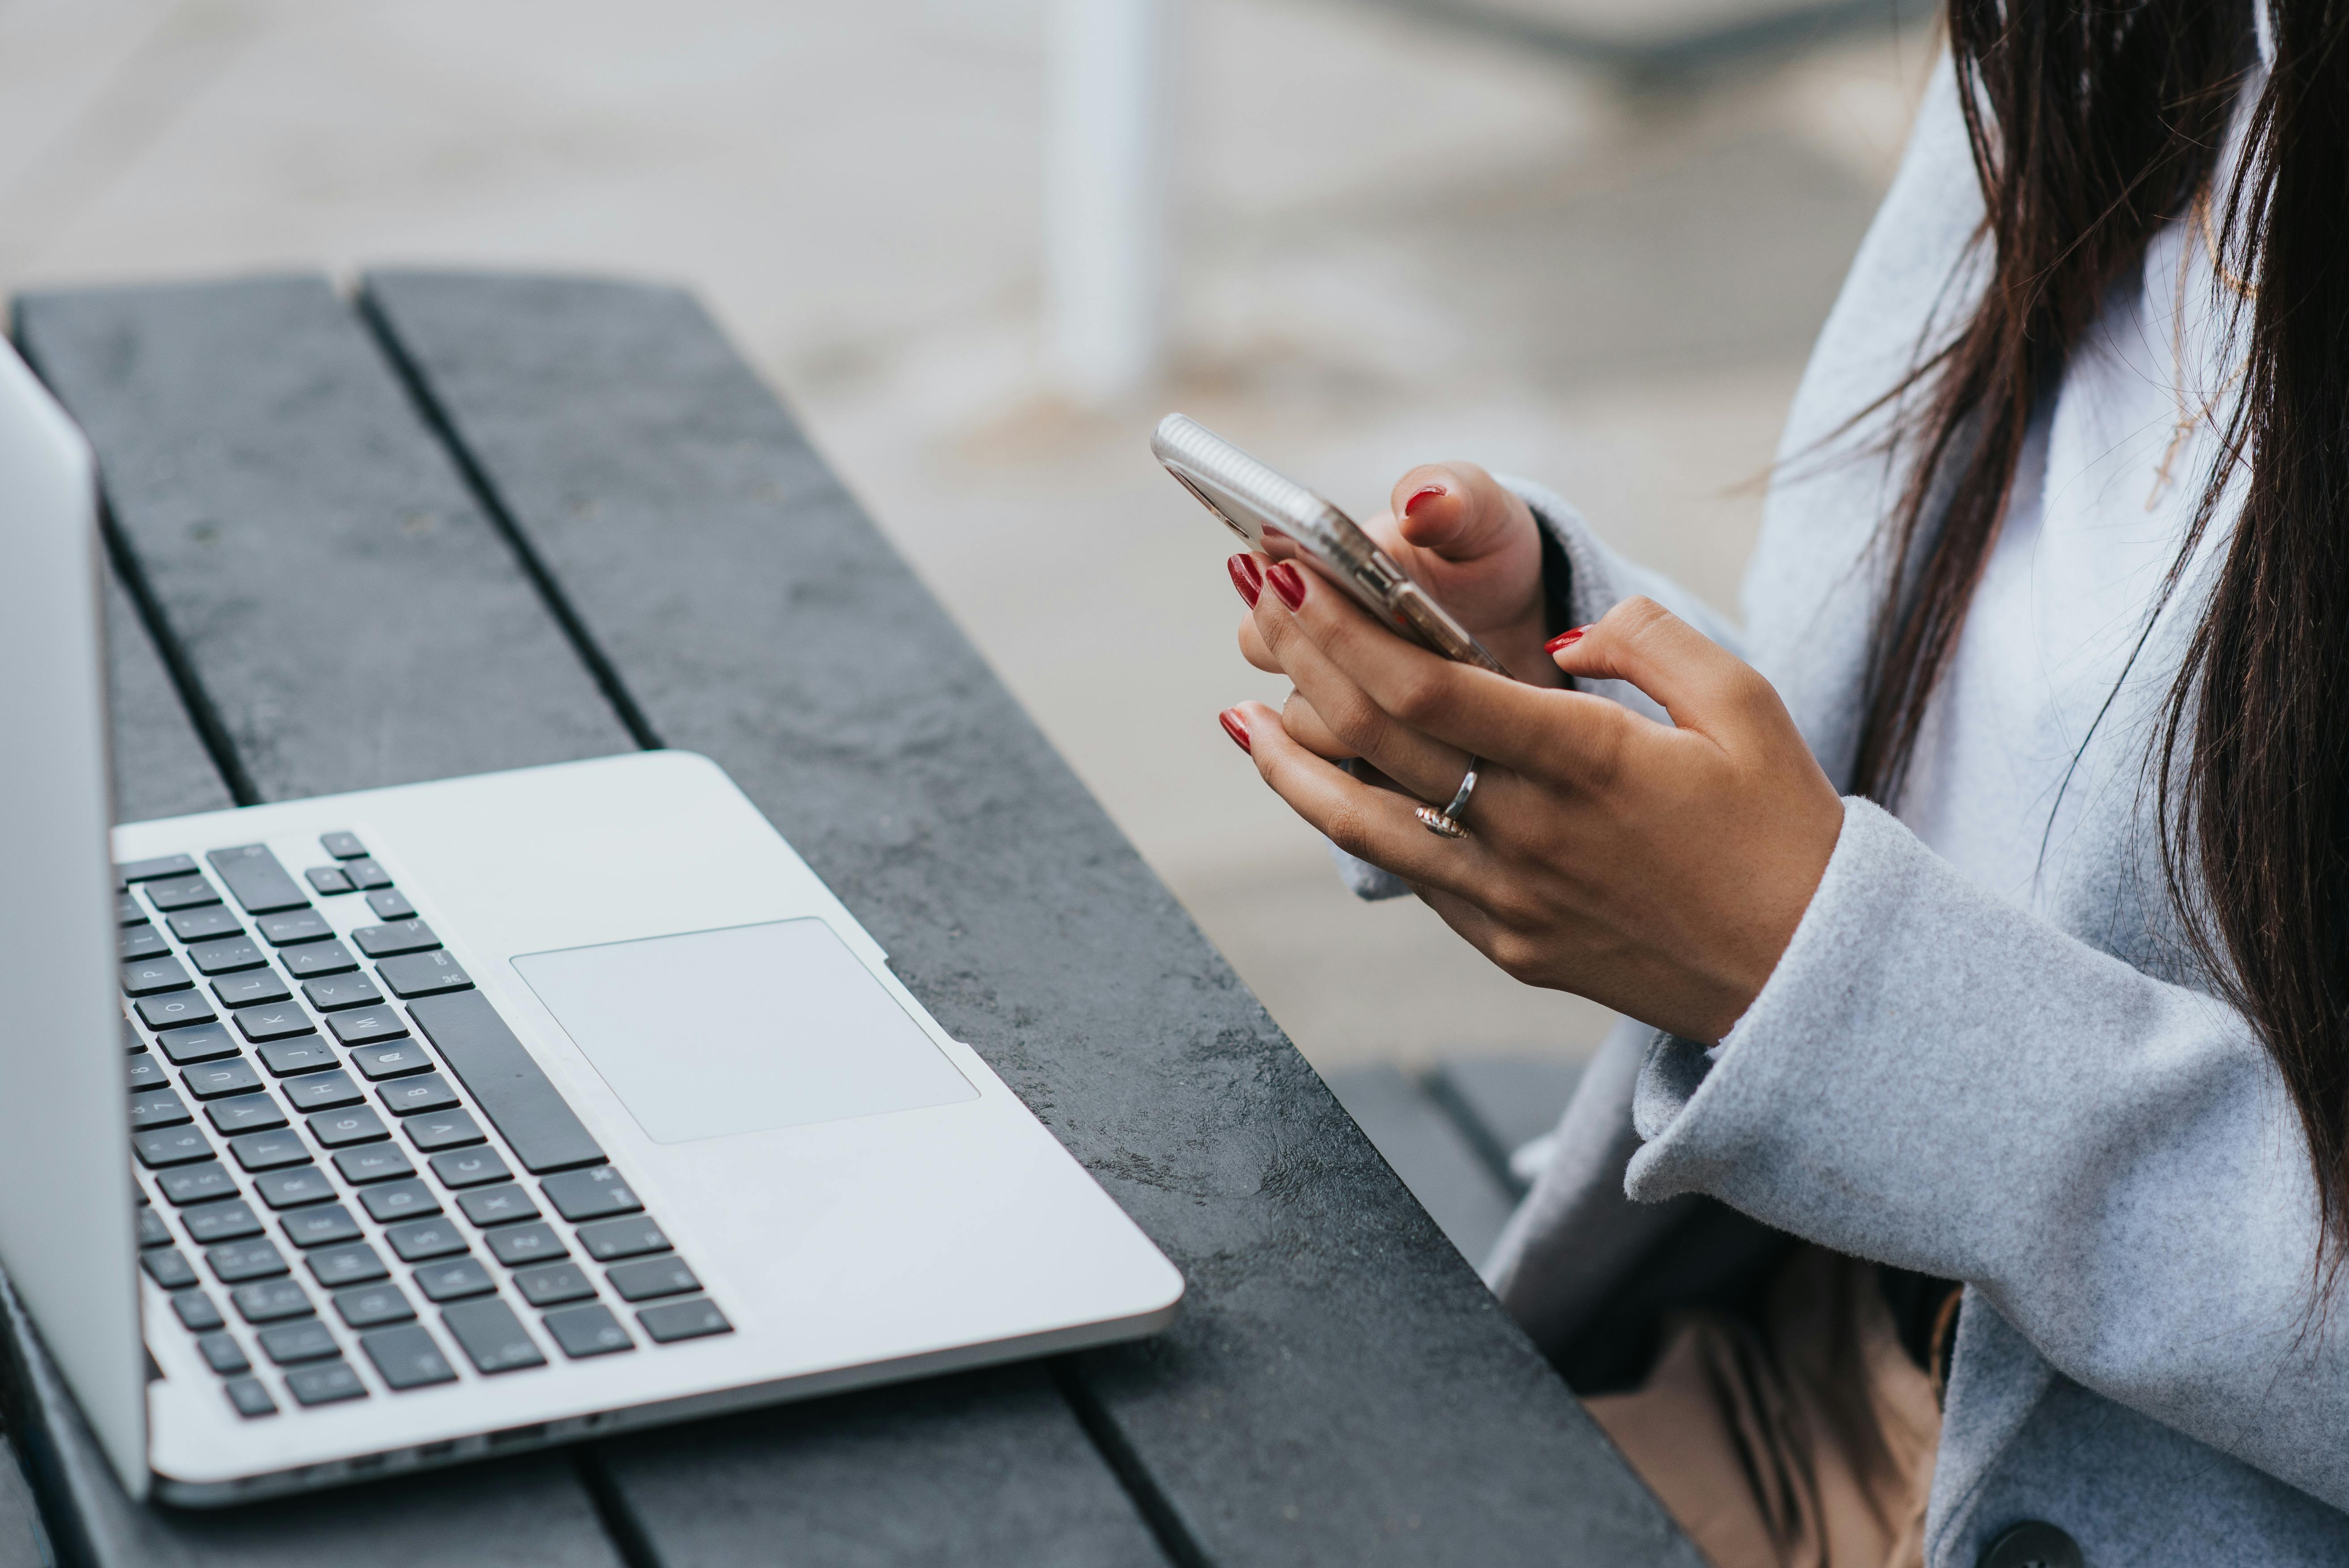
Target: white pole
1104	195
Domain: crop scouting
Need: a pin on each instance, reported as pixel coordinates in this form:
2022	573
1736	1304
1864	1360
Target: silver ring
1446	824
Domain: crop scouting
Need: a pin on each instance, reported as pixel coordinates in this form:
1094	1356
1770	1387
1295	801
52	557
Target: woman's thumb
1455	511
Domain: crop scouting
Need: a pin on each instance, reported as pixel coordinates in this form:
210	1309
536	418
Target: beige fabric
1806	1443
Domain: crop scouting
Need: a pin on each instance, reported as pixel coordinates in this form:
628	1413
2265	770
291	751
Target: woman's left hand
1660	870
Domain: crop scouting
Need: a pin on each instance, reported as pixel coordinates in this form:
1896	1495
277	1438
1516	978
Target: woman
1981	905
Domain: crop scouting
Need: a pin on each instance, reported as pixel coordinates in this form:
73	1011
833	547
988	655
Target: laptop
392	1128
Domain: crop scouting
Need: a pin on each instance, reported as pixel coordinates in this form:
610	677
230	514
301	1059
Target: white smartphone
1289	522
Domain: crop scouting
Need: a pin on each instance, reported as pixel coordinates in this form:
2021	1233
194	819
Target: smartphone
1289	522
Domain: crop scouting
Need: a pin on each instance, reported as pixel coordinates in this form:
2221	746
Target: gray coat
2045	1106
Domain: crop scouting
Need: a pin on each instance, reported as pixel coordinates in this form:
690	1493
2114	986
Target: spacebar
504	1081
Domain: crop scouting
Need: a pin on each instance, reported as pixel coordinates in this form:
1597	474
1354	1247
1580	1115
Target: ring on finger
1446	823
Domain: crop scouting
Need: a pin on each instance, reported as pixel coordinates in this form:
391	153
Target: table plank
128	362
160	766
347	611
1339	1388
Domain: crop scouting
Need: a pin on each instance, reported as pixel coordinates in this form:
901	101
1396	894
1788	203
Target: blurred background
981	244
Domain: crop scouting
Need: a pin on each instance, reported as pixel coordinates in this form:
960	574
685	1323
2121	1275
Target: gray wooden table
465	523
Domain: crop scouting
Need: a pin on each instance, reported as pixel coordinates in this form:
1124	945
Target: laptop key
341	1128
255	878
197	1312
493	1337
423	974
517	1245
209	1080
302	1054
319	1091
652	1277
186	1184
391	903
343	846
227	955
293	1189
328	881
506	1085
420	1240
324	1383
396	937
437	1130
127	910
408	1096
245	1113
222	1354
250	1397
254	988
180	893
372	1306
171	1146
176	1010
675	1320
355	1263
154	976
153	1231
158	1108
453	1280
238	1262
290	1344
372	1163
551	1285
589	1194
470	1168
364	872
319	1227
289	930
212	1224
488	1206
202	1043
364	1025
269	1150
393	1200
203	924
277	1022
584	1331
407	1358
161	866
317	958
337	992
140	941
168	1268
145	1072
270	1301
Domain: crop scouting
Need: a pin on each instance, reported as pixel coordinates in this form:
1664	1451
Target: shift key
505	1082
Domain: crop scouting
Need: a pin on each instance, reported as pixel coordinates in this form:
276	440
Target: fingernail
1289	583
1245	577
1230	717
1564	640
1411	508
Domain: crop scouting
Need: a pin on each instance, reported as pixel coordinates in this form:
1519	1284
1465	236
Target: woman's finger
1426	767
1705	688
1253	648
1369	824
1457	511
1534	730
1305	728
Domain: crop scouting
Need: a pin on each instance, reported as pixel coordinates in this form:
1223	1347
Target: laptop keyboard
354	1179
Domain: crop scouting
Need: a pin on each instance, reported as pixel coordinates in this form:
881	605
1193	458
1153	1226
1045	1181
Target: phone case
1280	517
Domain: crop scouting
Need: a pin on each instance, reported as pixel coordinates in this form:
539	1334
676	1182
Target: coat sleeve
1934	1078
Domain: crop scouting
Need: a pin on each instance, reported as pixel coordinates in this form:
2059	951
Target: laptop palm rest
710	1034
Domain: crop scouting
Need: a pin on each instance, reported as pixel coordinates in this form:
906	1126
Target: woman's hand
1471	544
1657	869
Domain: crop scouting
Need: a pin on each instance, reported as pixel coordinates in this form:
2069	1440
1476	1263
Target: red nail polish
1245	578
1411	508
1564	640
1289	583
1238	732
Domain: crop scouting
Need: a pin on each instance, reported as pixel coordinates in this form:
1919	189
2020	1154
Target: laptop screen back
66	1192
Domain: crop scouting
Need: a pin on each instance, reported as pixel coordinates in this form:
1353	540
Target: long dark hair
2095	123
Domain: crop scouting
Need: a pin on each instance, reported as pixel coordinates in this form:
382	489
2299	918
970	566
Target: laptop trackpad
742	1030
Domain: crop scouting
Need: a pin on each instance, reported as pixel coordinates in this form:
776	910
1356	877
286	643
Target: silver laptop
468	1116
